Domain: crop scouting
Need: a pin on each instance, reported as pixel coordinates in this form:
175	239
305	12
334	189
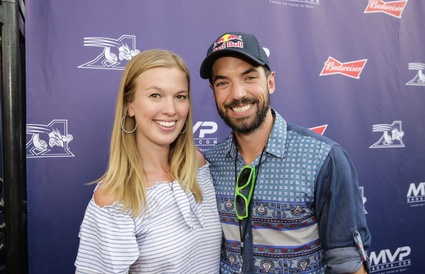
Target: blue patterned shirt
305	208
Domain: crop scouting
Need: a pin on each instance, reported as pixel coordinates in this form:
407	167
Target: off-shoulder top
174	235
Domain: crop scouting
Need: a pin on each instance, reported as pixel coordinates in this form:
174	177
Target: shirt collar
277	137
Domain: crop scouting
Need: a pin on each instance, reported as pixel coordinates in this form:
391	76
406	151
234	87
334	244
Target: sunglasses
243	192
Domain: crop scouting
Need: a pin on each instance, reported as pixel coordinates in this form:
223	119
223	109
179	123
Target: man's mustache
238	103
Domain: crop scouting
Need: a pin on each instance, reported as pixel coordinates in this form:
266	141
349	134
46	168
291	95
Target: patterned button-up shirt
305	208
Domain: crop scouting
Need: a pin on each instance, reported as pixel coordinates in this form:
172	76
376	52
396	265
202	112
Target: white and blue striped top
174	235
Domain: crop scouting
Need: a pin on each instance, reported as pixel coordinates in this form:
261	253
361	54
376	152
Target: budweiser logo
350	69
394	8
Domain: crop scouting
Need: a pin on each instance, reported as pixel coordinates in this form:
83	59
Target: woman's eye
155	95
182	97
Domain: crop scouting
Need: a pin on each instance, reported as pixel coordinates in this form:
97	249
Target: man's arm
340	214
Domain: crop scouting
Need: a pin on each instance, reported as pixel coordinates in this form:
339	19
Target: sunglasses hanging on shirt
245	185
243	191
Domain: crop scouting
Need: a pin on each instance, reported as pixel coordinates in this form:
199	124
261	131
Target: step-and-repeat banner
352	70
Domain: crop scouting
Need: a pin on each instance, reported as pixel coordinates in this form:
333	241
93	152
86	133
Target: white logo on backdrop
390	261
49	140
316	2
296	3
392	135
113	53
416	195
201	131
419	79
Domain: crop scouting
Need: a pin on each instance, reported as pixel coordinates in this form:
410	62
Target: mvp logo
207	127
386	259
416	191
416	195
202	129
385	255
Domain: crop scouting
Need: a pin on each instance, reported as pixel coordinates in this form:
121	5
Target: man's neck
251	144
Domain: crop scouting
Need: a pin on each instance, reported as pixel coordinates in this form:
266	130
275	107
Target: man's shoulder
296	133
301	132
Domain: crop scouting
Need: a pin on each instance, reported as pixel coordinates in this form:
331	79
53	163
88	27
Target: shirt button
248	268
247	236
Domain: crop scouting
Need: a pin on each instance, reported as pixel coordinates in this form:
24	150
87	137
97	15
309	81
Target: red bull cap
241	43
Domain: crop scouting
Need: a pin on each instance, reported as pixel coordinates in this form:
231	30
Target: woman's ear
130	109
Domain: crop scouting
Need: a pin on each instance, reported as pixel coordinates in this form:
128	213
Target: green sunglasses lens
241	208
244	187
244	176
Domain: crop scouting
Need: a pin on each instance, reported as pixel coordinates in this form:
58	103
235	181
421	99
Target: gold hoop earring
122	125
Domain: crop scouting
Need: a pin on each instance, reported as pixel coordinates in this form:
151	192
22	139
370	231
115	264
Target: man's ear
271	82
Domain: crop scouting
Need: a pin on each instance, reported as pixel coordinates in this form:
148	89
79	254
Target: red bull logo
394	8
226	38
350	69
228	41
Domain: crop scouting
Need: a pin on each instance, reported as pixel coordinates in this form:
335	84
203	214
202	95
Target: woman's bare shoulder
200	158
103	198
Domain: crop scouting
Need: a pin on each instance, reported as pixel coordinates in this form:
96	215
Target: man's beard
242	125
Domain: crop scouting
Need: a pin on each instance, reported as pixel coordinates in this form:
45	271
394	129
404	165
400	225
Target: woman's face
160	105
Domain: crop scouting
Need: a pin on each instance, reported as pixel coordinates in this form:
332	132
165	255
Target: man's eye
219	84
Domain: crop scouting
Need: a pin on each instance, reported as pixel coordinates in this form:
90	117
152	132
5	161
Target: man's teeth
166	124
242	109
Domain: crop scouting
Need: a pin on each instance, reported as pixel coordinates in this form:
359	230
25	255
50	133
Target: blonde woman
154	210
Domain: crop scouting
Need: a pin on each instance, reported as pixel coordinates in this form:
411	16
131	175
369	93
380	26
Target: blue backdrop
350	69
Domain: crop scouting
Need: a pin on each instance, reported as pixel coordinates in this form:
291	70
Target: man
288	198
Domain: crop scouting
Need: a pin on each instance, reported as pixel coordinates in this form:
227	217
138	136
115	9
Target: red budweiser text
350	69
394	8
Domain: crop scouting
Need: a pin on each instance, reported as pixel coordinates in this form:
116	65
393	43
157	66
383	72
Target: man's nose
238	91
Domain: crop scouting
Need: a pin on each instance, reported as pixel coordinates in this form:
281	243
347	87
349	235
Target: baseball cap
241	43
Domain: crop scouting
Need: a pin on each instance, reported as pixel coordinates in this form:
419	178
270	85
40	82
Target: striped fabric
175	235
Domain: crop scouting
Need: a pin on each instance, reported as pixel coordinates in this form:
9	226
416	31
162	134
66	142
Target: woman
154	209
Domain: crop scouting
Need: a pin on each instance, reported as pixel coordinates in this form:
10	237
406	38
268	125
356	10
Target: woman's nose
169	107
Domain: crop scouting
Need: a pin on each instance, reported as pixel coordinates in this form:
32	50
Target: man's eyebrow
248	71
218	77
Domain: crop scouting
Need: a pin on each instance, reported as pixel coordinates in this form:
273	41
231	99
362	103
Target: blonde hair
125	176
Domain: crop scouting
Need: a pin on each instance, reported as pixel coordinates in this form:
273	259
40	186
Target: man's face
242	93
